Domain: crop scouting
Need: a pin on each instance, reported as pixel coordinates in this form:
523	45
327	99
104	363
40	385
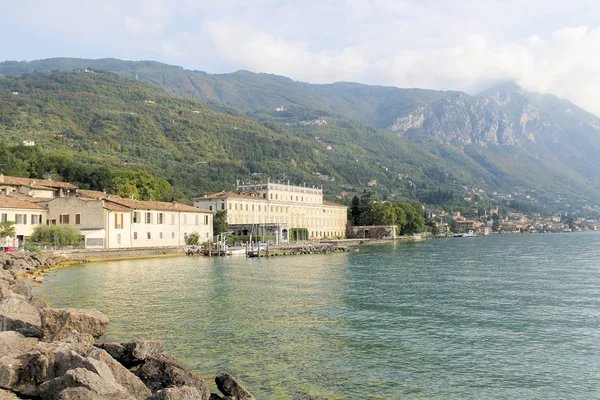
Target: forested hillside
99	118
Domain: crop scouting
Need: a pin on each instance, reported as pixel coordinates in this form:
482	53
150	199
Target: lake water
503	317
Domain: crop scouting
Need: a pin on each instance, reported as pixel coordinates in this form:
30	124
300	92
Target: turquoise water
504	317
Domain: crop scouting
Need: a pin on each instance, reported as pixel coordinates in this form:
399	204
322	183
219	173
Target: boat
236	252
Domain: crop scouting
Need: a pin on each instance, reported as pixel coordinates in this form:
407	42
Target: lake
502	317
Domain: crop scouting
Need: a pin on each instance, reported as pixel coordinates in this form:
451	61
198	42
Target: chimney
104	191
1	177
174	204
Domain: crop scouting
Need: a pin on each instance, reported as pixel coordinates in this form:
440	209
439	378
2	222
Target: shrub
64	234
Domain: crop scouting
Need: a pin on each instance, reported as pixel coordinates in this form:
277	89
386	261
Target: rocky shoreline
53	353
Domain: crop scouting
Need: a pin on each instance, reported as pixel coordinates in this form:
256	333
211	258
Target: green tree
367	200
7	230
384	213
192	239
354	211
220	224
64	234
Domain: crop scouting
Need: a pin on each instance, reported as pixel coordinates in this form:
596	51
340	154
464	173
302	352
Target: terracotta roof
92	194
114	207
49	183
155	205
332	204
13	202
229	195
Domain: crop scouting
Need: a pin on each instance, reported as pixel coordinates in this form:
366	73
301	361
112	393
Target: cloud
543	45
565	63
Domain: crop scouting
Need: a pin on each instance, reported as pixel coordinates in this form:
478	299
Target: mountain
375	106
504	139
539	138
102	118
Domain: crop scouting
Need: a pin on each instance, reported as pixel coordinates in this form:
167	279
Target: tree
384	214
192	239
7	230
56	234
367	200
354	211
220	224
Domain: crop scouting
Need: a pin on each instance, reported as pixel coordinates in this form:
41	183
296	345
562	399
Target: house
43	188
112	222
278	210
25	214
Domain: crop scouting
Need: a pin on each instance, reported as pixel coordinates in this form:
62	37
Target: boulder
16	314
163	371
177	393
23	373
13	343
20	287
6	395
96	387
131	354
230	387
122	376
9	371
58	322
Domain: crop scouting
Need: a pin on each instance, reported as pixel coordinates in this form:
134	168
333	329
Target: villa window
3	217
197	220
134	235
149	235
160	218
172	235
148	218
160	235
206	220
77	219
136	217
62	219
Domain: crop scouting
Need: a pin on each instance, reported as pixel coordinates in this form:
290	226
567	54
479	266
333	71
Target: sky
546	46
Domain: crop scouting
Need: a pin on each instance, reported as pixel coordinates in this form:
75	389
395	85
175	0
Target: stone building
285	212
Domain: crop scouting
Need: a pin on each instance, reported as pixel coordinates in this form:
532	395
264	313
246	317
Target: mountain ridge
506	136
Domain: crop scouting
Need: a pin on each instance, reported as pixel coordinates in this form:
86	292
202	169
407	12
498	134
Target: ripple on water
513	316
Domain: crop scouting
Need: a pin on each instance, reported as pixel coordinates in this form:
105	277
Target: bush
64	234
193	239
32	248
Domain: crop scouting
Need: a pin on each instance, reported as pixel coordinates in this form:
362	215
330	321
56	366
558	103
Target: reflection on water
501	317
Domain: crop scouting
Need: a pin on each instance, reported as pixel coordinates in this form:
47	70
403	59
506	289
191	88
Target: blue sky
546	46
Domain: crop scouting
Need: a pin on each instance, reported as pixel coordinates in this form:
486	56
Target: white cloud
543	45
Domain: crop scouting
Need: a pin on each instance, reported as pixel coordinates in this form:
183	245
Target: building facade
26	216
286	210
112	222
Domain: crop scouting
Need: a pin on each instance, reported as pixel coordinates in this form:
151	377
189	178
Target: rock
13	343
21	288
23	373
230	387
163	371
16	314
9	371
122	376
58	322
177	393
6	395
132	353
6	276
97	387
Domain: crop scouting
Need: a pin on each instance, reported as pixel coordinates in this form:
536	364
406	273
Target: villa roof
229	195
332	204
